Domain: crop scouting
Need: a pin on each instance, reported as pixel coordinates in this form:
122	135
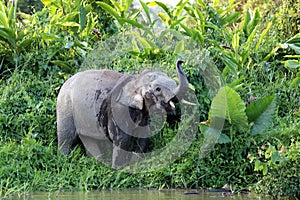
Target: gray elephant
109	112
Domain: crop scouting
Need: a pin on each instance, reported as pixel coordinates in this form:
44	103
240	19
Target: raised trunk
183	81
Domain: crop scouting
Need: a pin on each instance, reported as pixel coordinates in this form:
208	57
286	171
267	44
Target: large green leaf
228	104
218	106
260	112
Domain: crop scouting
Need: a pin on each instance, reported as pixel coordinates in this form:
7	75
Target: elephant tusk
172	105
187	102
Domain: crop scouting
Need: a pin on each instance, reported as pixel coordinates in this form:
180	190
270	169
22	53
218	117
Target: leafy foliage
228	102
39	51
291	55
261	113
13	37
30	6
288	16
279	161
28	106
61	33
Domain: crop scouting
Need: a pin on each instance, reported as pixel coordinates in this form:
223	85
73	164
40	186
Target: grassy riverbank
254	46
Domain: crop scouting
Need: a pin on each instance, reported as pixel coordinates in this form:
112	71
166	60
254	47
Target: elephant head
153	90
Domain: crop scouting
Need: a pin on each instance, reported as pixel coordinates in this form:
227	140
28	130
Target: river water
139	194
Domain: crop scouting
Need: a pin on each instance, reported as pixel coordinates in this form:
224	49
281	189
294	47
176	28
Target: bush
282	180
28	105
43	54
277	158
288	19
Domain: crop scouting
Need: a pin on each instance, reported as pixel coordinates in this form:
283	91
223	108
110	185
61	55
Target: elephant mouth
170	106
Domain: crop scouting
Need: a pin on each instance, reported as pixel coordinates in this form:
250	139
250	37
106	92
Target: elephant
109	112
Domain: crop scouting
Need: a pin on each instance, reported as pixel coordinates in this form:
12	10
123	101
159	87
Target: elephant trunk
183	81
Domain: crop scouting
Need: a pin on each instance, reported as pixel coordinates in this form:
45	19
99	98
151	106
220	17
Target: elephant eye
158	89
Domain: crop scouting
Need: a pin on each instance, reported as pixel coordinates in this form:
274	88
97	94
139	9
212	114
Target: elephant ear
134	101
128	95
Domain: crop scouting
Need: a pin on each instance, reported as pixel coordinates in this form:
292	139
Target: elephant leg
66	133
100	149
122	151
141	145
140	149
128	151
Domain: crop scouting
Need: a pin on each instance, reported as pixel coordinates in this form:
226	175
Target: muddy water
139	194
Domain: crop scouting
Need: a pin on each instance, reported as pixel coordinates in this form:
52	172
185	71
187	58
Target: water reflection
140	194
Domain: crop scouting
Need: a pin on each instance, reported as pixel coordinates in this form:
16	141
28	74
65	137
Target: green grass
245	51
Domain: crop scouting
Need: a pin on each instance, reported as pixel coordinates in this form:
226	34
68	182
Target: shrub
288	19
282	180
43	54
27	103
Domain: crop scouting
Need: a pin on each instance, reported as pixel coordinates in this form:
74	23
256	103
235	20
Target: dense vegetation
255	45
